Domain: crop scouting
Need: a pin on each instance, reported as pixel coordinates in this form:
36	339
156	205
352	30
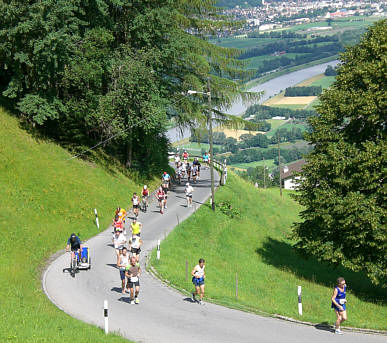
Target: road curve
165	315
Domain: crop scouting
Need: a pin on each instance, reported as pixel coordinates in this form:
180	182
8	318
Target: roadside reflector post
105	314
299	301
158	250
96	218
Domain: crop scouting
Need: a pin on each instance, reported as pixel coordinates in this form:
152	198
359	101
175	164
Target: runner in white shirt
198	276
177	160
183	169
119	240
188	194
123	262
136	204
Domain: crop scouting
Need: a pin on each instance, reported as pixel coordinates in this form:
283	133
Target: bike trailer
85	261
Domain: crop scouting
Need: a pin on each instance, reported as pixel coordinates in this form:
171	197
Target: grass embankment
45	197
256	248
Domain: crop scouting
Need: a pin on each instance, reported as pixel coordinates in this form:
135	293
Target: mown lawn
44	197
268	163
256	249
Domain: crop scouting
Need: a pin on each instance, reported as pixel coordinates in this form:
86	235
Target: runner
160	196
338	303
178	174
188	172
136	227
177	160
194	173
183	169
136	204
133	272
166	179
205	158
117	223
198	165
198	276
119	240
185	156
145	197
164	186
188	194
123	262
121	213
135	246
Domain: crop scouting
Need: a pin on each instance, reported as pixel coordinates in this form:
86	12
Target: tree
343	189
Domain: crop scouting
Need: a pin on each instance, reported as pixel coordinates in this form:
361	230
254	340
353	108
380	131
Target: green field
242	42
268	163
291	106
325	82
51	196
255	248
256	62
275	123
288	126
194	148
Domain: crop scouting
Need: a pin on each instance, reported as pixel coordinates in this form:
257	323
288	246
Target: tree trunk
129	151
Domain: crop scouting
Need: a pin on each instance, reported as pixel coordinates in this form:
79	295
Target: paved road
165	315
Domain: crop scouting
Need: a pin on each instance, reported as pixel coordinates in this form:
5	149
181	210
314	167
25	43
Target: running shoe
136	301
338	332
193	296
132	301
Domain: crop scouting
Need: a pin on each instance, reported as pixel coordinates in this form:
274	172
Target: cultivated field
237	133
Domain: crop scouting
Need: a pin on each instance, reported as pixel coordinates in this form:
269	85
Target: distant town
278	14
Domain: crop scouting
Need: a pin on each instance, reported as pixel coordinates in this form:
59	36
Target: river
270	88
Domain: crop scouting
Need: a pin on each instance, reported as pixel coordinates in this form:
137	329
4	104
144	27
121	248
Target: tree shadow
282	256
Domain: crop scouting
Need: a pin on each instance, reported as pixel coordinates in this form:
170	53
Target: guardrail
219	166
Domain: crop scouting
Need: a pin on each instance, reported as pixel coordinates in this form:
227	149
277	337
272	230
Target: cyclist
119	240
136	204
188	194
135	246
160	195
123	262
189	169
136	227
75	244
133	272
145	197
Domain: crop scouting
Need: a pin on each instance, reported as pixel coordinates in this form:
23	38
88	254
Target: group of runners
128	258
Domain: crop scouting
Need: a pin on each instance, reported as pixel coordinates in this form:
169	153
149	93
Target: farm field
266	260
243	166
237	133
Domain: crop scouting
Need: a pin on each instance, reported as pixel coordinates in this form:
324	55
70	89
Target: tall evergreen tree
343	189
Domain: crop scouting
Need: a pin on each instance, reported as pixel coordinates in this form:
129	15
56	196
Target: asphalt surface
165	315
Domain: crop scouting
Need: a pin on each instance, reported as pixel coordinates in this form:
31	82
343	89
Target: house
289	181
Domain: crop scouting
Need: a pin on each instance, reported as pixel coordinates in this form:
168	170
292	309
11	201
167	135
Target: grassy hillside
43	198
256	247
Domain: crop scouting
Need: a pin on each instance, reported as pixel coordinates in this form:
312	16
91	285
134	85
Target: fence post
186	270
299	301
96	218
105	314
158	250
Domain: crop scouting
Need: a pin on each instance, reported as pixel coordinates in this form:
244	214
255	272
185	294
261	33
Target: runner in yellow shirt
136	227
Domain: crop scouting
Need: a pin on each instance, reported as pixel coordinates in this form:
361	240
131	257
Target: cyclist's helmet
73	236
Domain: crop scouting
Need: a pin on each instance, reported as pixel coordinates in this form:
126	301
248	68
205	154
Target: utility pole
279	163
264	174
211	147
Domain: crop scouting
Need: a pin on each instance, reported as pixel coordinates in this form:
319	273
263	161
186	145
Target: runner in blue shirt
338	303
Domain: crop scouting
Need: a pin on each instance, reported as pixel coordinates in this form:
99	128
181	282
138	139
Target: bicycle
74	262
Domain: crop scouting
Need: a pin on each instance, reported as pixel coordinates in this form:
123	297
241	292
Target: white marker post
299	301
105	314
158	250
96	218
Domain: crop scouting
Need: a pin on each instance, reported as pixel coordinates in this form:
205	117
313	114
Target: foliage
227	208
303	91
256	247
113	72
330	71
343	188
266	112
53	197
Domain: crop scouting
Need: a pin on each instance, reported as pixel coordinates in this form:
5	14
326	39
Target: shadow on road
116	289
112	265
124	299
189	300
324	327
281	255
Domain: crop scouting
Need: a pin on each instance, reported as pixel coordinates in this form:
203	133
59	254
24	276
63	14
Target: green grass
268	163
44	197
194	148
257	62
288	126
325	82
243	42
275	123
256	248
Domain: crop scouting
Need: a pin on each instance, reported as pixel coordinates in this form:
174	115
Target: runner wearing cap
136	227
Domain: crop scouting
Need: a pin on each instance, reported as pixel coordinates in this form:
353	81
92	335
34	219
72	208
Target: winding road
165	315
